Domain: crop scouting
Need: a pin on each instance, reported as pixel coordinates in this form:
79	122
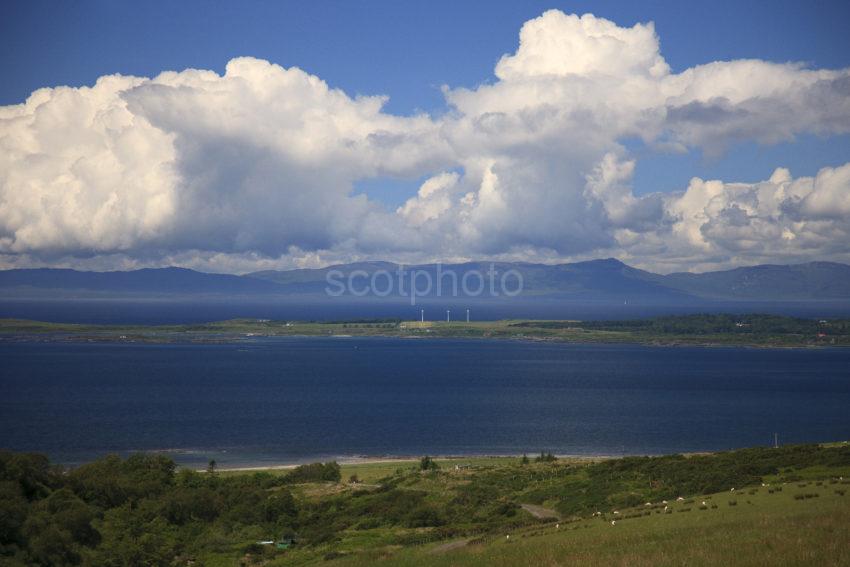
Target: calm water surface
296	399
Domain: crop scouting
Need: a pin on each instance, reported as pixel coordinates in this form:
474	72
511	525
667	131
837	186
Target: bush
425	516
314	472
508	509
280	507
545	458
318	534
110	482
426	463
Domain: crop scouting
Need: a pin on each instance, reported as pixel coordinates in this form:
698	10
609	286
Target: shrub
280	507
545	458
426	463
507	509
314	472
424	516
368	524
806	495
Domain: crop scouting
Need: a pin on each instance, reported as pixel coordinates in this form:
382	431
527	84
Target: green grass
762	529
766	331
373	472
791	507
766	526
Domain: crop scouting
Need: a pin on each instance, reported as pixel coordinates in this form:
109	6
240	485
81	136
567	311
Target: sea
270	401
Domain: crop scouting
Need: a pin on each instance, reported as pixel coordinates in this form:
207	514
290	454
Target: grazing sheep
703	503
616	512
733	489
680	499
613	522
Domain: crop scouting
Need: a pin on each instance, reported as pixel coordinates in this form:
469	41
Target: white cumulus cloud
256	168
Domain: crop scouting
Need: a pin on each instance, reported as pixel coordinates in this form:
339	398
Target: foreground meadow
760	506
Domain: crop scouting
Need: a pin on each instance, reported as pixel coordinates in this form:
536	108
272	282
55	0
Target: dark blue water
294	399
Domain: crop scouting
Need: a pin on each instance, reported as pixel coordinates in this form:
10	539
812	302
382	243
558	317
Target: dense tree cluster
708	324
138	511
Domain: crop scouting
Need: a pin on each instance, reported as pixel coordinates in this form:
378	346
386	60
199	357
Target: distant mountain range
593	280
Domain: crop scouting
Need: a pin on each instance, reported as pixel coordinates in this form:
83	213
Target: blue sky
512	130
407	50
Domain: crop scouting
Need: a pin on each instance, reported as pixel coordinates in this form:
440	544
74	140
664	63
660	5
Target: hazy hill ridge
595	279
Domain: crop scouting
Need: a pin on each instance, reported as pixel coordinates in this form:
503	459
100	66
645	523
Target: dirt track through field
450	546
540	511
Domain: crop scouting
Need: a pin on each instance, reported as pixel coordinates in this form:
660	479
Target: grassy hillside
789	506
762	528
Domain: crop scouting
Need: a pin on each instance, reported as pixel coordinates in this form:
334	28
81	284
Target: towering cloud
256	167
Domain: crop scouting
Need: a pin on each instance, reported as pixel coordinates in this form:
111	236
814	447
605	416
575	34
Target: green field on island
702	330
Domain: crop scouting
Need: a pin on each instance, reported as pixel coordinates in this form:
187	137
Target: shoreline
366	460
199	465
200	339
356	461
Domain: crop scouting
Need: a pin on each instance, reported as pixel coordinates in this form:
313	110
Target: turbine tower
422	315
448	316
467	315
